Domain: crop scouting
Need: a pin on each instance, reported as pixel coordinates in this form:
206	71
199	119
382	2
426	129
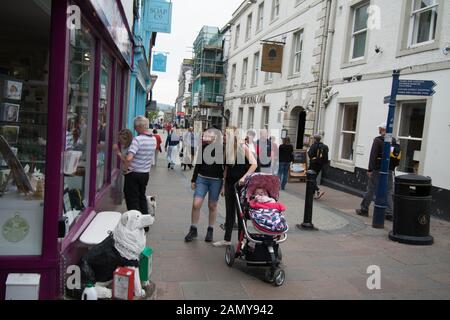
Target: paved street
327	264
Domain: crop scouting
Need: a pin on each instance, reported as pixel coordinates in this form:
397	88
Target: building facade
141	81
182	104
360	76
261	100
208	78
63	79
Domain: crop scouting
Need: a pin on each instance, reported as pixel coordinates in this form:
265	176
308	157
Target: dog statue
121	248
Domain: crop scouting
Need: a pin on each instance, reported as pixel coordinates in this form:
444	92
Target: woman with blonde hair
125	138
240	162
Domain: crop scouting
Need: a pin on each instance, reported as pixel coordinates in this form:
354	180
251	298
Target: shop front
64	69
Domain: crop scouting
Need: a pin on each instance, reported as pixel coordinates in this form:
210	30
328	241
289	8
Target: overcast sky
188	17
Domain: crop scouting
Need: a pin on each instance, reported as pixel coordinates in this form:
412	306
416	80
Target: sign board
416	88
272	57
260	98
159	16
159	62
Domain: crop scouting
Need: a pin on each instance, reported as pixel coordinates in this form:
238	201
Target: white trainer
221	243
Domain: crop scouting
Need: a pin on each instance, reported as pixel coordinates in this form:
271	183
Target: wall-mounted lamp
446	50
378	50
284	108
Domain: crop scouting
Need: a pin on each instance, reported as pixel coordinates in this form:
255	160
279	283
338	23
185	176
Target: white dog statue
129	241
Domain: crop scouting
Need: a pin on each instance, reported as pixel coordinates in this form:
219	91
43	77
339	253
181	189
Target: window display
103	120
77	145
24	71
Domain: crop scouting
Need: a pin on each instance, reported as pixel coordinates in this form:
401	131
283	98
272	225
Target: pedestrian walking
275	156
240	163
318	157
172	141
373	173
139	161
158	146
264	152
190	141
207	179
286	156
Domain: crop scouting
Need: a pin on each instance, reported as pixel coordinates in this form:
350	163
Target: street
331	263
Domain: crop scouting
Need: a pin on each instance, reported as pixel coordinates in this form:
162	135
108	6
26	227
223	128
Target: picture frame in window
9	112
13	90
11	134
67	204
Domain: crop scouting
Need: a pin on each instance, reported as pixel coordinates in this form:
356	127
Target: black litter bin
412	206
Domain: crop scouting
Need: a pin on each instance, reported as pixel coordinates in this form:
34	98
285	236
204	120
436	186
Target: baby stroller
261	248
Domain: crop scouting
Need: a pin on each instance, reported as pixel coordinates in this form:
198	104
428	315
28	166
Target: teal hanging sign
159	16
159	62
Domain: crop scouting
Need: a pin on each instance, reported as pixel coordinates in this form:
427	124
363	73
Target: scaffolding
208	75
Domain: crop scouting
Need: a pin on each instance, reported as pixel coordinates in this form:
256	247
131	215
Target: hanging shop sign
109	13
159	62
159	16
259	98
272	57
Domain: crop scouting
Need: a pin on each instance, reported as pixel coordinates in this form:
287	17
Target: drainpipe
330	18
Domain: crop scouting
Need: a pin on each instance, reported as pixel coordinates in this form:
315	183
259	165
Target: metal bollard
309	197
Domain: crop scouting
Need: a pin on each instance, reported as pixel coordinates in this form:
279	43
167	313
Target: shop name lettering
159	13
254	99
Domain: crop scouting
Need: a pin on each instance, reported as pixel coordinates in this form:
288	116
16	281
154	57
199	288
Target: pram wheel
279	277
276	276
230	253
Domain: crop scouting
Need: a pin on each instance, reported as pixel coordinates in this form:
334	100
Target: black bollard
309	197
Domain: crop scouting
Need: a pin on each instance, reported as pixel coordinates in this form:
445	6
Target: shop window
24	71
348	131
78	125
117	105
410	135
103	121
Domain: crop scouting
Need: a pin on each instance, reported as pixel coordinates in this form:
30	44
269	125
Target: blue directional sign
416	88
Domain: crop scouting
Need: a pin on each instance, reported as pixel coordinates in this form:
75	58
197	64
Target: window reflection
103	117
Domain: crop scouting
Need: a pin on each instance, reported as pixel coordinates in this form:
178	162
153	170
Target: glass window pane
361	16
103	120
350	118
422	31
409	161
420	4
117	104
24	66
78	113
412	120
359	45
348	140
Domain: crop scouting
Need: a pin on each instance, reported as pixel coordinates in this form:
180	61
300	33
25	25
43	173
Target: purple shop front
65	86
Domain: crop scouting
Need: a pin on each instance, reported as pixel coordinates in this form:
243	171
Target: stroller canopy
261	180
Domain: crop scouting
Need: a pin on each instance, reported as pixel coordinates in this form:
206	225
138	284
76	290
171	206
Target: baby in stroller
257	202
266	212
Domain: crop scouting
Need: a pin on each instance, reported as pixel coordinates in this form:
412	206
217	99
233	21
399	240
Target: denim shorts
208	185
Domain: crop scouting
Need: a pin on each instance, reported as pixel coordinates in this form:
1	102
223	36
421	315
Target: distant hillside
164	107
